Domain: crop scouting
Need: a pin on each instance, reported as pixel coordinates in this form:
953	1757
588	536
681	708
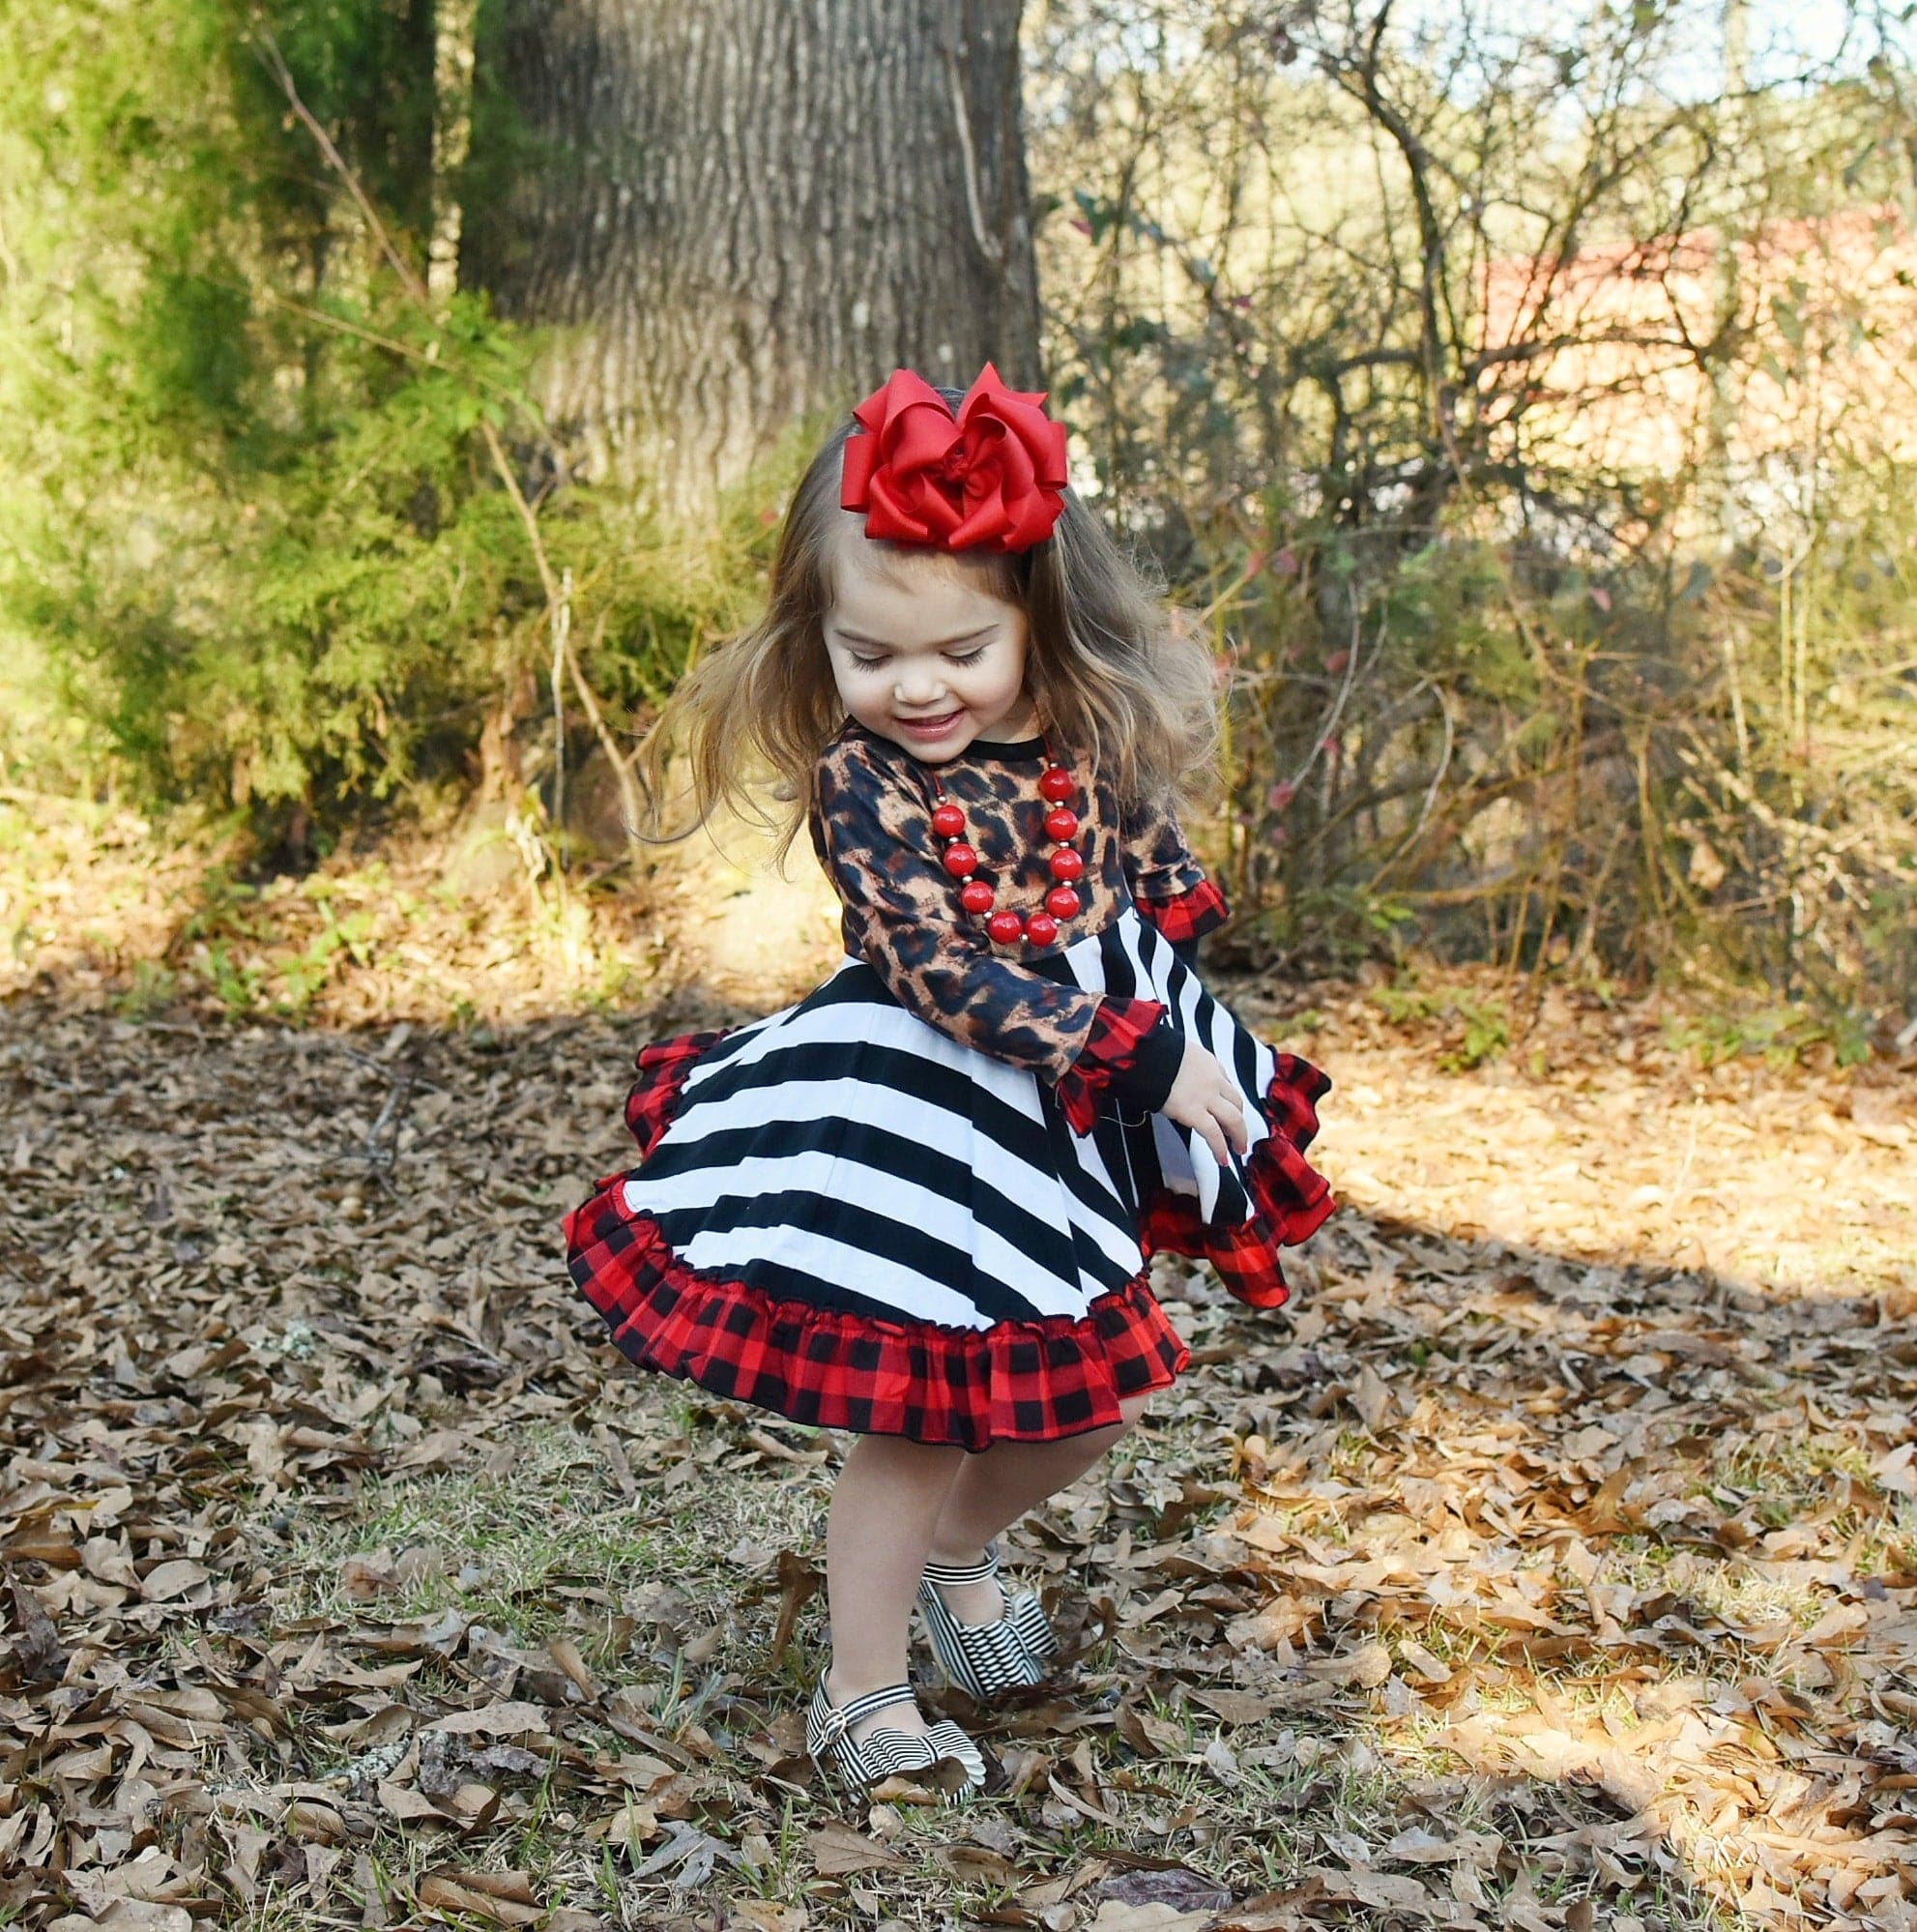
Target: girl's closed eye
951	656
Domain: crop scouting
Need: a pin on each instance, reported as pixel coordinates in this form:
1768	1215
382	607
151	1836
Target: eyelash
965	658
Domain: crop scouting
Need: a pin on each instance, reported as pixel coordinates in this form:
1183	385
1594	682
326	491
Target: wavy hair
1115	671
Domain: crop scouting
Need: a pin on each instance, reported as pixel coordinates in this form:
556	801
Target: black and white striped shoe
887	1753
986	1660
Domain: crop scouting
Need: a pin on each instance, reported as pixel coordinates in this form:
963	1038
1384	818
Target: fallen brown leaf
466	1892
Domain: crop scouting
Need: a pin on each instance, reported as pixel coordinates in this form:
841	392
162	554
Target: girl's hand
1203	1099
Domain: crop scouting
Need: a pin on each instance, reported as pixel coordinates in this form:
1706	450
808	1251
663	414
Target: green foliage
301	626
254	530
1479	1029
1335	927
231	945
1783	1037
1445	610
153	988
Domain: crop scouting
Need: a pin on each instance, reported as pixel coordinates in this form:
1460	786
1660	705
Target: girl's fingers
1230	1112
1206	1127
1218	1119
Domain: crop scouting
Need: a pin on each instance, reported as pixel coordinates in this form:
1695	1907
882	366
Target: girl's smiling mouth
931	727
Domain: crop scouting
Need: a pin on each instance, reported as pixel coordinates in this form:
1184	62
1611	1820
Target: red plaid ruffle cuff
1119	1029
1188	916
1291	1199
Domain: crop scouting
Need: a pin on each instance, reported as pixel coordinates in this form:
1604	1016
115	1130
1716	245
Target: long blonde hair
1114	673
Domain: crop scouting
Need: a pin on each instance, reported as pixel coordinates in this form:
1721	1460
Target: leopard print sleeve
872	828
1169	886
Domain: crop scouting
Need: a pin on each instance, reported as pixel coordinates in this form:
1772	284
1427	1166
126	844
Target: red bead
977	897
1066	863
1062	902
1004	927
947	821
1057	784
1041	928
1061	826
960	861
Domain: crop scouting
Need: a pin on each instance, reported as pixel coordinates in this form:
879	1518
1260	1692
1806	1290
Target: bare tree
1520	396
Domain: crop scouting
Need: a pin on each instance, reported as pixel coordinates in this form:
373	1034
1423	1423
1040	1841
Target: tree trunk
454	25
739	211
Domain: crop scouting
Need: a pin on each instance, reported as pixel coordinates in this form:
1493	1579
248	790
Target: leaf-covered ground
1551	1563
353	1580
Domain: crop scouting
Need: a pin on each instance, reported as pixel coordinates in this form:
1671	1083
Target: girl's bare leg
996	1487
878	1535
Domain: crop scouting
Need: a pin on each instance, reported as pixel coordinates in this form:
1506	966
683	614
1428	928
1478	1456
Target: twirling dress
921	1201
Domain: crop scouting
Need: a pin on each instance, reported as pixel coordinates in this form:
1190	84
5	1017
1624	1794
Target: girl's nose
919	686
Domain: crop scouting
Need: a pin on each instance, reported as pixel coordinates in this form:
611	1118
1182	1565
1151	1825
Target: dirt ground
1552	1562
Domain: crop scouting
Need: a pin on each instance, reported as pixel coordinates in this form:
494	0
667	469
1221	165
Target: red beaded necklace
1006	927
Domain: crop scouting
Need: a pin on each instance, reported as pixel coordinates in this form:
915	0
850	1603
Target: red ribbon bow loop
990	477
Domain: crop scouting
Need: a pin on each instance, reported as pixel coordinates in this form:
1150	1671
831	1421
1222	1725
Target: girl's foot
862	1744
1010	1647
899	1716
979	1600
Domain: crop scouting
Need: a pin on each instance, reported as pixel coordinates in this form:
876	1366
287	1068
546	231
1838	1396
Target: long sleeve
1169	886
873	832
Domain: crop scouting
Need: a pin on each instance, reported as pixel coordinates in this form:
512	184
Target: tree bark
741	211
454	25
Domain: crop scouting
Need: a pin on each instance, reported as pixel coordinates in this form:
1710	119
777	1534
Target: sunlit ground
1551	1564
1597	1129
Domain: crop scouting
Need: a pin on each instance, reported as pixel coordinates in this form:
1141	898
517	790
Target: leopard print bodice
871	826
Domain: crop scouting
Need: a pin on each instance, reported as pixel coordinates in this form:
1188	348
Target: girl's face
921	651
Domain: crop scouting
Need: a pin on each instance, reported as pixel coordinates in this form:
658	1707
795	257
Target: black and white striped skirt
846	1216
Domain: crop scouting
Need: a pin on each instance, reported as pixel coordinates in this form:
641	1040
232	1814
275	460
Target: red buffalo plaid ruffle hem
1013	1382
1016	1381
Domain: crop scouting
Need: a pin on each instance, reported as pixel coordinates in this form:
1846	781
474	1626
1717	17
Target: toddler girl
918	1206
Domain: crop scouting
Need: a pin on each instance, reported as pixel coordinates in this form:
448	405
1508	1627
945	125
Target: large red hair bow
989	477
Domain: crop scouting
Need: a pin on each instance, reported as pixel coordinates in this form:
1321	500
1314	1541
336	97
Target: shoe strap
838	1718
965	1573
